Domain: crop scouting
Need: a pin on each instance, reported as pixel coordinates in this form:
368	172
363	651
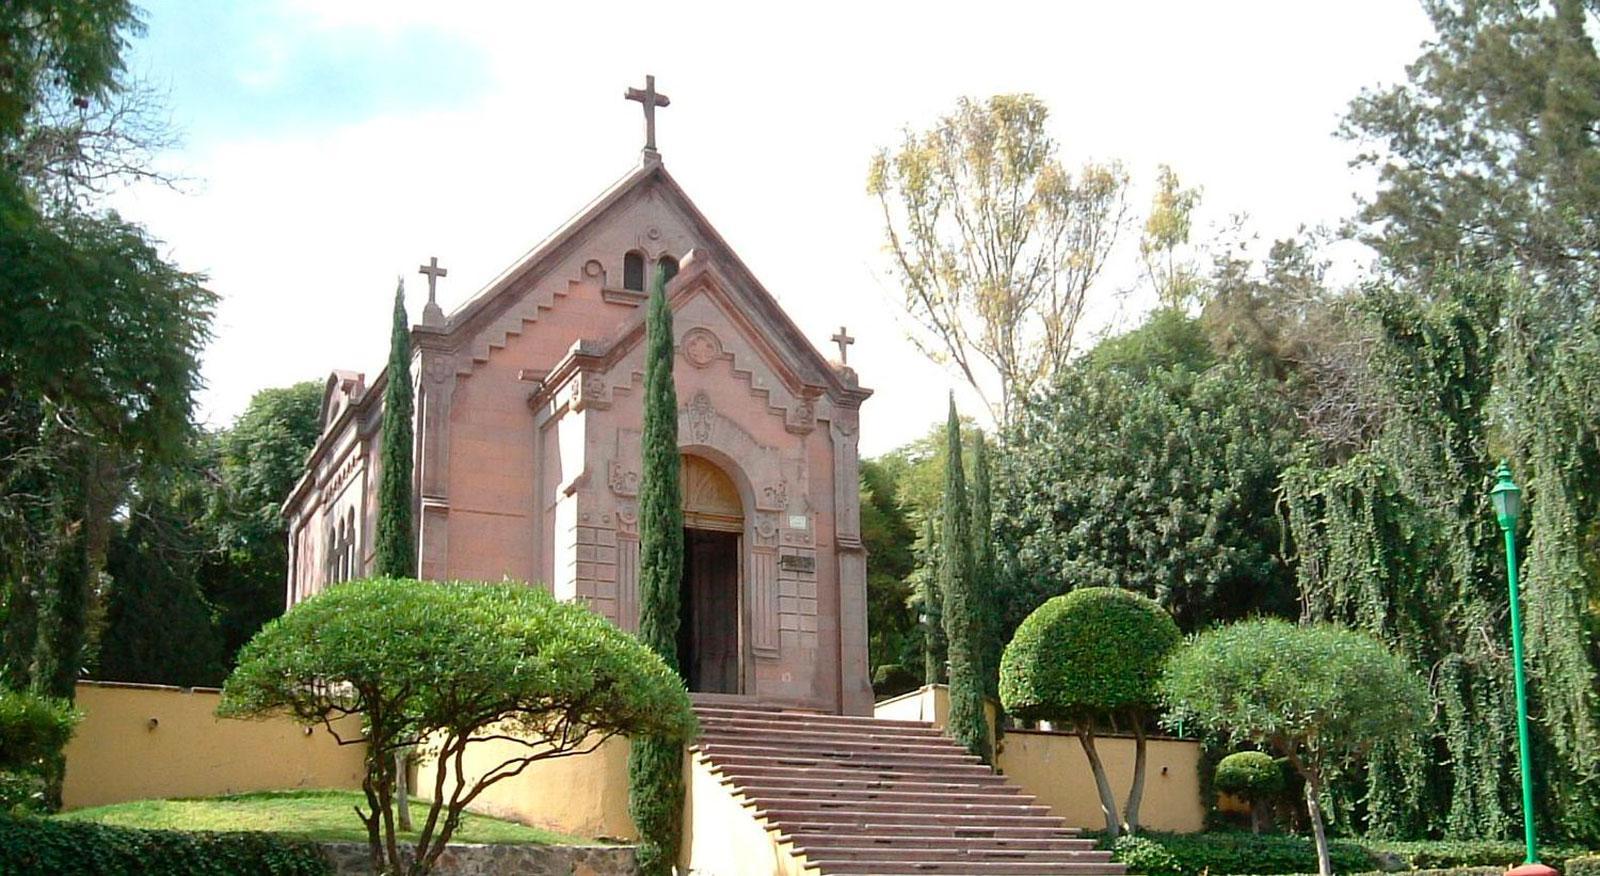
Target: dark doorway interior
708	629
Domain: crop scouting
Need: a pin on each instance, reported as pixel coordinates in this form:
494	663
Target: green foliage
1222	854
1148	468
892	635
655	763
1319	694
52	46
432	666
396	554
1584	865
33	729
964	624
1250	775
1080	656
985	570
48	847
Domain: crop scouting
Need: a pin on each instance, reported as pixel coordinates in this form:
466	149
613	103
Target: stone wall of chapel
343	490
735	411
501	517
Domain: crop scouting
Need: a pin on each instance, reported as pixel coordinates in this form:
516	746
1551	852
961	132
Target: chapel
529	399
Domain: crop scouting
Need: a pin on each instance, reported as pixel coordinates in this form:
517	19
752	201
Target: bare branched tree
995	244
75	150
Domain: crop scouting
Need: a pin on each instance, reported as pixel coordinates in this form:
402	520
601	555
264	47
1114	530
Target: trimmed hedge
1221	854
1250	775
1228	853
1583	865
74	848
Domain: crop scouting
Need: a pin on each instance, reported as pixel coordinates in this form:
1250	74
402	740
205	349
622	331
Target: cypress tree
962	627
934	652
984	576
396	550
655	766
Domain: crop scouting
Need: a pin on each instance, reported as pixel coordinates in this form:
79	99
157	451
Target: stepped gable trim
798	367
489	304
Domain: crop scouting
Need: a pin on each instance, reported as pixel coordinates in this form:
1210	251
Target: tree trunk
1108	802
402	787
1314	809
1130	812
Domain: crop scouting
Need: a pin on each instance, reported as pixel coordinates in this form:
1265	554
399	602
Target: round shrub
32	728
1250	775
1093	650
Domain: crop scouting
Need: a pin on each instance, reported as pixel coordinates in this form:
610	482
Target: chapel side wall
341	483
117	754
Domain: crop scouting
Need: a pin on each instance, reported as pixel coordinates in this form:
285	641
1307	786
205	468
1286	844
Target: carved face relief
701	347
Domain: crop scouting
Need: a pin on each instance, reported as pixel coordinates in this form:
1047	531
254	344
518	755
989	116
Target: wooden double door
709	631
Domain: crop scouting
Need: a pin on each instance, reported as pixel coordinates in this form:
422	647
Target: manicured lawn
312	815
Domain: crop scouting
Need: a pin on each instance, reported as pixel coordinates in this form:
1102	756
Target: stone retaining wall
350	859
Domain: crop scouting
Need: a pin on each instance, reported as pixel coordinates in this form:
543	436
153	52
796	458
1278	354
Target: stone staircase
869	796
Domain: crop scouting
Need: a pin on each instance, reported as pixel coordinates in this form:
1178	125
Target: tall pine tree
655	766
397	554
984	574
934	652
962	625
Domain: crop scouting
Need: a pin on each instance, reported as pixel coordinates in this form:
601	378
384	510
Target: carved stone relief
701	347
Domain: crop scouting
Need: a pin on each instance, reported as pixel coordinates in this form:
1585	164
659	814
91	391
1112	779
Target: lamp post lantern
1507	502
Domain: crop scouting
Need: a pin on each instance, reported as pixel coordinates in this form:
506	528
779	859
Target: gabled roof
503	291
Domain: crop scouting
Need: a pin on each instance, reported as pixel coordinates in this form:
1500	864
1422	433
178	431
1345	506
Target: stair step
927	830
805	841
932	855
831	743
965	868
785	715
802	781
761	770
864	807
774	754
996	797
945	821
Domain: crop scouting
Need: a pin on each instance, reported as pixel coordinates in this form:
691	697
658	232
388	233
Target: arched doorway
710	634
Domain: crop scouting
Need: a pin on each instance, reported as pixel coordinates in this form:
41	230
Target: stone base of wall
350	859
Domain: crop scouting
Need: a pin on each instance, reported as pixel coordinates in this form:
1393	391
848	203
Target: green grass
310	815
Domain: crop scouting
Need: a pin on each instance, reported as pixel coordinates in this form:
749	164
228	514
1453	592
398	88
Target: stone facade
529	401
351	859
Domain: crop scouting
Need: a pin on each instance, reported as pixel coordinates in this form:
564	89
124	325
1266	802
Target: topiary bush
433	666
43	847
1252	776
32	729
1093	652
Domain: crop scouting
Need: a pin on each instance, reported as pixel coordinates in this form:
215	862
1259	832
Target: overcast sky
334	146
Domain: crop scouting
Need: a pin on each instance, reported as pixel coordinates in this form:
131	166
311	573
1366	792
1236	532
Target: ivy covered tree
396	540
655	763
1090	656
894	642
964	624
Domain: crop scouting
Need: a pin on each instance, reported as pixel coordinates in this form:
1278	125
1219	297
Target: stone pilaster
855	687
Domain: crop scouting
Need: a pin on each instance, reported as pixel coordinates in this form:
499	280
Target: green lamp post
1507	501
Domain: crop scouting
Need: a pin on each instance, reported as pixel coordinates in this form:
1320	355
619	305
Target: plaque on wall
797	563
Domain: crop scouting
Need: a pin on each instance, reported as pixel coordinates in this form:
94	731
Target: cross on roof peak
844	341
431	313
650	99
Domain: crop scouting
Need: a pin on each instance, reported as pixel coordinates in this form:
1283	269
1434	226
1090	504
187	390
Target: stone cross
431	313
651	99
844	341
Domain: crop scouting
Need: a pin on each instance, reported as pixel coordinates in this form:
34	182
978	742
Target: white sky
335	146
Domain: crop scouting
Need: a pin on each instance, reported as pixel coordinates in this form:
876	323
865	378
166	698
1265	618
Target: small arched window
633	271
669	268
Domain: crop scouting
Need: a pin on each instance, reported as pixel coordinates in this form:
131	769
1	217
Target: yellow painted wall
1052	767
118	754
583	794
721	837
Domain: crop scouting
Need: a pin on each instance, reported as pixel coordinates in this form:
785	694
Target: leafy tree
1320	696
1489	149
985	574
396	542
1252	776
159	627
1081	658
892	637
963	608
261	456
1163	247
935	645
655	763
98	351
440	666
1153	467
33	731
995	244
